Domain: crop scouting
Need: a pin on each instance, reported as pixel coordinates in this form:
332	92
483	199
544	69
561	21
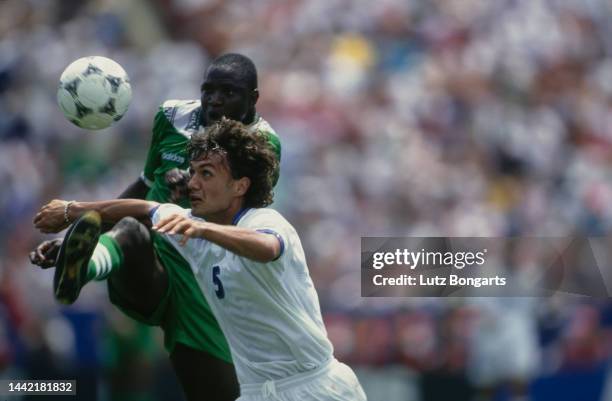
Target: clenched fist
45	253
50	218
177	181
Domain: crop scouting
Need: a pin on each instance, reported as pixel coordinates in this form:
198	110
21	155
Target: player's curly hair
248	155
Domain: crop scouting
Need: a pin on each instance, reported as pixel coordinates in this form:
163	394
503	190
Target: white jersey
269	312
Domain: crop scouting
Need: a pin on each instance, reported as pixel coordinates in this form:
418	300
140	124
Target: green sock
106	258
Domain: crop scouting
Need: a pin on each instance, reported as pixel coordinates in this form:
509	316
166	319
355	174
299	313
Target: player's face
224	94
213	192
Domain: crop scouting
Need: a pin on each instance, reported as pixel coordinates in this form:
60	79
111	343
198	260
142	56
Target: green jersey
174	124
183	314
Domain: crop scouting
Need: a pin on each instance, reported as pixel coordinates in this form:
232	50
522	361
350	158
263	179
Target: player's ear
255	96
241	186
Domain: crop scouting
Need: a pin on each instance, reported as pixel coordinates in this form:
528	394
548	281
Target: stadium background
398	117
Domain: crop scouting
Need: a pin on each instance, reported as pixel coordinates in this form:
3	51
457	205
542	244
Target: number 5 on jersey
216	270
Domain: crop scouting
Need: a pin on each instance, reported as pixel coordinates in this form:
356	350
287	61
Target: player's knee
130	233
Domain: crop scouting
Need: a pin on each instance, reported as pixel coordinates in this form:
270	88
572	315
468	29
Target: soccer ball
94	92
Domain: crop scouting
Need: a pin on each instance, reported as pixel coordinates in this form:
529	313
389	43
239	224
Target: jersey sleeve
274	142
153	156
166	210
269	221
191	250
263	127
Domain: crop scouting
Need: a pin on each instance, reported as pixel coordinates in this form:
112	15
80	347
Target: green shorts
183	313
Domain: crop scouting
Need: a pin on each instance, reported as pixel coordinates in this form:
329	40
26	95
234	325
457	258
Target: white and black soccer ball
94	92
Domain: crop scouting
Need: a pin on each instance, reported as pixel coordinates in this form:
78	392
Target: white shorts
332	382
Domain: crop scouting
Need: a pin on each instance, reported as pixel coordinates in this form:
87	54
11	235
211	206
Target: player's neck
250	117
226	216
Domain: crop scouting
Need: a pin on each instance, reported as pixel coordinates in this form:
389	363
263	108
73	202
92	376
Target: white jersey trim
279	238
147	181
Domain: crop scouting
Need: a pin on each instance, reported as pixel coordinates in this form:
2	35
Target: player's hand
45	253
177	224
177	181
50	217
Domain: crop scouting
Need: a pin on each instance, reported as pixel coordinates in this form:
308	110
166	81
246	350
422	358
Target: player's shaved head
240	65
229	90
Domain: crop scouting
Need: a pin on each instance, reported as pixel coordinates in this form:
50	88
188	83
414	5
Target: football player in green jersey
147	279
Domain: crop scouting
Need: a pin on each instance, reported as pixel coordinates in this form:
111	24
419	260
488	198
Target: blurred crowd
397	118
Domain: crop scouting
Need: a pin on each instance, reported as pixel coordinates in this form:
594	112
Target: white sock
100	263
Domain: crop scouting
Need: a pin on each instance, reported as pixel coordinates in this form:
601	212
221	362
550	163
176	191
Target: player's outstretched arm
251	244
45	253
58	214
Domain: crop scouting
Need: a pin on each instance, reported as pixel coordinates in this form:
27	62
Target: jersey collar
239	215
256	118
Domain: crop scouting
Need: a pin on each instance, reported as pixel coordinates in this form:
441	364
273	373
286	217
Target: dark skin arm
136	190
50	217
45	253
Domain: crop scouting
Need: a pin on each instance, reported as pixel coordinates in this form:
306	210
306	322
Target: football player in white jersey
248	261
165	294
